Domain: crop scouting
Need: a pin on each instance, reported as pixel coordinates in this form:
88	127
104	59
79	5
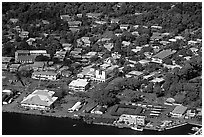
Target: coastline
85	118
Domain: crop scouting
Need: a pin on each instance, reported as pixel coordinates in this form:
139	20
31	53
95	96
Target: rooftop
179	109
79	82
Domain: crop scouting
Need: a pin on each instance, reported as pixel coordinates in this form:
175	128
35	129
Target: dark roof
165	53
108	34
28	57
90	107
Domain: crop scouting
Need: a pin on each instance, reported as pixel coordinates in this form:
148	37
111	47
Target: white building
39	99
45	75
178	111
79	85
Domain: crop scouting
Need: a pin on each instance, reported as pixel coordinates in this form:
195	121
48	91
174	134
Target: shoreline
85	118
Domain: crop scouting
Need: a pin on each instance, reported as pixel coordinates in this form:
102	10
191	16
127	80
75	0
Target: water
21	124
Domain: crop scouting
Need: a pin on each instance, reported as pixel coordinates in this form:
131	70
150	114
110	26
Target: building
24	34
132	119
124	26
99	110
178	111
45	75
74	24
162	55
76	107
39	99
66	17
38	52
93	15
134	74
38	66
26	59
6	60
115	20
79	85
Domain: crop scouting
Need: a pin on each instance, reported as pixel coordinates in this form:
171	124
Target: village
105	78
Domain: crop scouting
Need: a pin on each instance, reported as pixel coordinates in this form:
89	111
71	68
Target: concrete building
132	119
45	75
79	85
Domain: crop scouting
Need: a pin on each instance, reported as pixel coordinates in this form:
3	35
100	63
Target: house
6	60
30	41
65	17
39	99
60	54
192	42
108	46
100	22
45	22
79	85
38	66
74	30
24	34
26	59
156	27
89	55
157	80
115	20
93	15
13	20
4	67
74	24
178	111
14	67
124	26
45	75
144	62
79	15
156	36
172	40
164	42
134	74
66	73
125	43
179	37
162	55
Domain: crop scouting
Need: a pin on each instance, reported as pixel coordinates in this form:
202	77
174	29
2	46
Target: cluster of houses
96	72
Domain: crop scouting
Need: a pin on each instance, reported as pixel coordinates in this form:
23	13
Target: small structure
14	67
99	110
124	26
39	99
79	85
178	111
74	24
134	74
76	107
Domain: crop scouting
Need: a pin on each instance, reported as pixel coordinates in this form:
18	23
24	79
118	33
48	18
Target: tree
42	58
149	88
